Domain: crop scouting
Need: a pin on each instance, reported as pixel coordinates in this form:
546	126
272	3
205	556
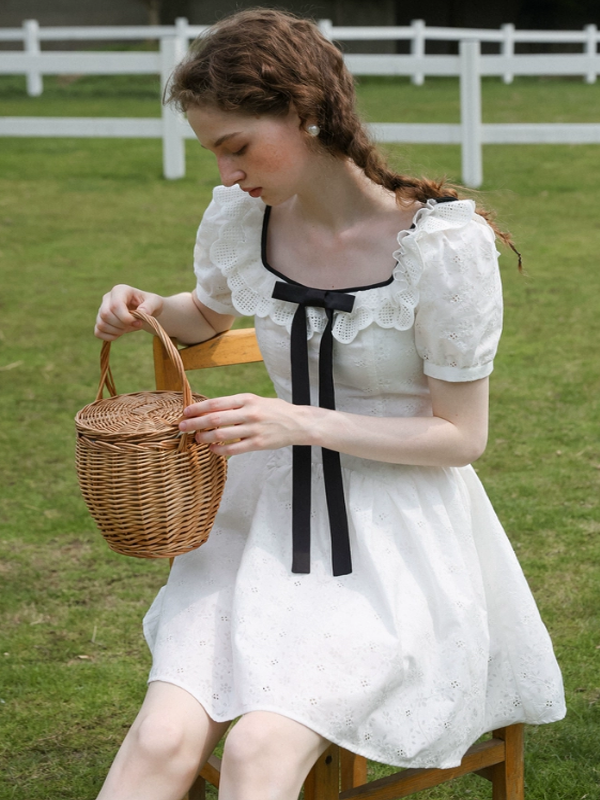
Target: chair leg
508	776
197	790
353	770
210	773
323	781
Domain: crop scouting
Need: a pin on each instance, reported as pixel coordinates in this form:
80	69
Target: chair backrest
225	349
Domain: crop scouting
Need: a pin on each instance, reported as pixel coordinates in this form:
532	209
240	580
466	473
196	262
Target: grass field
77	216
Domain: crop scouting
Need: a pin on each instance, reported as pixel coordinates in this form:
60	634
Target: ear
293	117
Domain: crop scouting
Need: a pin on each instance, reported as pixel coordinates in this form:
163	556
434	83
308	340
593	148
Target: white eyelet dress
434	637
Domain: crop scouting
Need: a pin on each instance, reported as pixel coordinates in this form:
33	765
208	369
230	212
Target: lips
256	192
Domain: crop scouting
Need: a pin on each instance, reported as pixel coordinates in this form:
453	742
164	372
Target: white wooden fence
170	127
31	35
469	66
506	37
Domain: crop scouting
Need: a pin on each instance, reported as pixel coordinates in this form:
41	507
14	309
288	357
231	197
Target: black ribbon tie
301	454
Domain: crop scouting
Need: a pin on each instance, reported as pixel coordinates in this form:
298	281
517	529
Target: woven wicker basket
152	491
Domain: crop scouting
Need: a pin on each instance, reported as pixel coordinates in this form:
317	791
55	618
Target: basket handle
106	377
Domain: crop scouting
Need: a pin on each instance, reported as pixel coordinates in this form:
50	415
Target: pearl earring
314	130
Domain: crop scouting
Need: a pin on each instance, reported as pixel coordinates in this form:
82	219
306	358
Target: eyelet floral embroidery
434	638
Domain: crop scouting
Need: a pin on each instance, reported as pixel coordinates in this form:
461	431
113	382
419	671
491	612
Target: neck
337	194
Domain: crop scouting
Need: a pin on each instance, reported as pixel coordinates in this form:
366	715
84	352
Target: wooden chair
340	774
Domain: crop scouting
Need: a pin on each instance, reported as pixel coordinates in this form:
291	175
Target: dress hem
451	762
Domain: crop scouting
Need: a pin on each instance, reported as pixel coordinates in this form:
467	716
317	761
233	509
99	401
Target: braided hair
263	61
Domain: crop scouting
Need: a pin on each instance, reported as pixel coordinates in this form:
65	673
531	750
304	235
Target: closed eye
241	151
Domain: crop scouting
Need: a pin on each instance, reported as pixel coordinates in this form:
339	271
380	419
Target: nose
230	173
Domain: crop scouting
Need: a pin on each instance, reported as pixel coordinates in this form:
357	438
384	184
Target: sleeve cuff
457	374
213	304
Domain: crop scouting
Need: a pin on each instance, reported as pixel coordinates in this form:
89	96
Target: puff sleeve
458	318
211	284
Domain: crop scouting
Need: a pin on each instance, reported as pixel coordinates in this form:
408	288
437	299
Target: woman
357	586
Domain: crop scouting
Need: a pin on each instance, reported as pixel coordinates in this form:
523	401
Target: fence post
31	41
171	53
470	114
326	27
417	48
507	48
591	50
181	31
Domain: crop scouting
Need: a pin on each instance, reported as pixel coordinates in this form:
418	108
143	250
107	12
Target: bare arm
183	316
455	435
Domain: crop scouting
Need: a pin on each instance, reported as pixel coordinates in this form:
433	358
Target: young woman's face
266	156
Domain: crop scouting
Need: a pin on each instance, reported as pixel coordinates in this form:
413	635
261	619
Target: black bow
301	458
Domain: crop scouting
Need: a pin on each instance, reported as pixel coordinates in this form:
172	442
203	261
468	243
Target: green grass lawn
77	216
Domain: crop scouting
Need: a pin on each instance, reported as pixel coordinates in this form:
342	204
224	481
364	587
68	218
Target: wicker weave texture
152	491
142	416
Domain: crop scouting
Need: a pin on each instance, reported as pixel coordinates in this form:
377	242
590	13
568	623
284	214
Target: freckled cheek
276	159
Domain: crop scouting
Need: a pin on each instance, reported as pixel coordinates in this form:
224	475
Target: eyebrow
224	138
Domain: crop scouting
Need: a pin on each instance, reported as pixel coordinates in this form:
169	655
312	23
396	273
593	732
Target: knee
269	756
161	740
250	746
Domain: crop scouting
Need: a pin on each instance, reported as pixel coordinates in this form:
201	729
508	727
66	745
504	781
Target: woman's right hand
114	318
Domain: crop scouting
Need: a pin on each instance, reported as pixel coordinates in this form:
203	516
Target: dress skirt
432	640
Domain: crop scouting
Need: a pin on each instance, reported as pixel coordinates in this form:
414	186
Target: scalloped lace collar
238	252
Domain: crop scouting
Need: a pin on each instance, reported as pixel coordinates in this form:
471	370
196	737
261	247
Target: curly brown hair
264	61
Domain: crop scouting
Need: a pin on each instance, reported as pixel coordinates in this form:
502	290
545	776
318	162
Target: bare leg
170	739
267	757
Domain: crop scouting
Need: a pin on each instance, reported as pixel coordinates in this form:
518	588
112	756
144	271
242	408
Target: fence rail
559	64
84	63
416	30
469	66
99	33
31	35
101	63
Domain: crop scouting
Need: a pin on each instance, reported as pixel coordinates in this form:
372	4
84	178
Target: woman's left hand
244	422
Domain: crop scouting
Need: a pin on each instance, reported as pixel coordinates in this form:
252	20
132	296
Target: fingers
217	419
217	411
110	331
114	317
244	422
152	304
226	437
234	448
230	425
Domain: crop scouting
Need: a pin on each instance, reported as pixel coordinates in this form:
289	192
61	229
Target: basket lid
137	416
